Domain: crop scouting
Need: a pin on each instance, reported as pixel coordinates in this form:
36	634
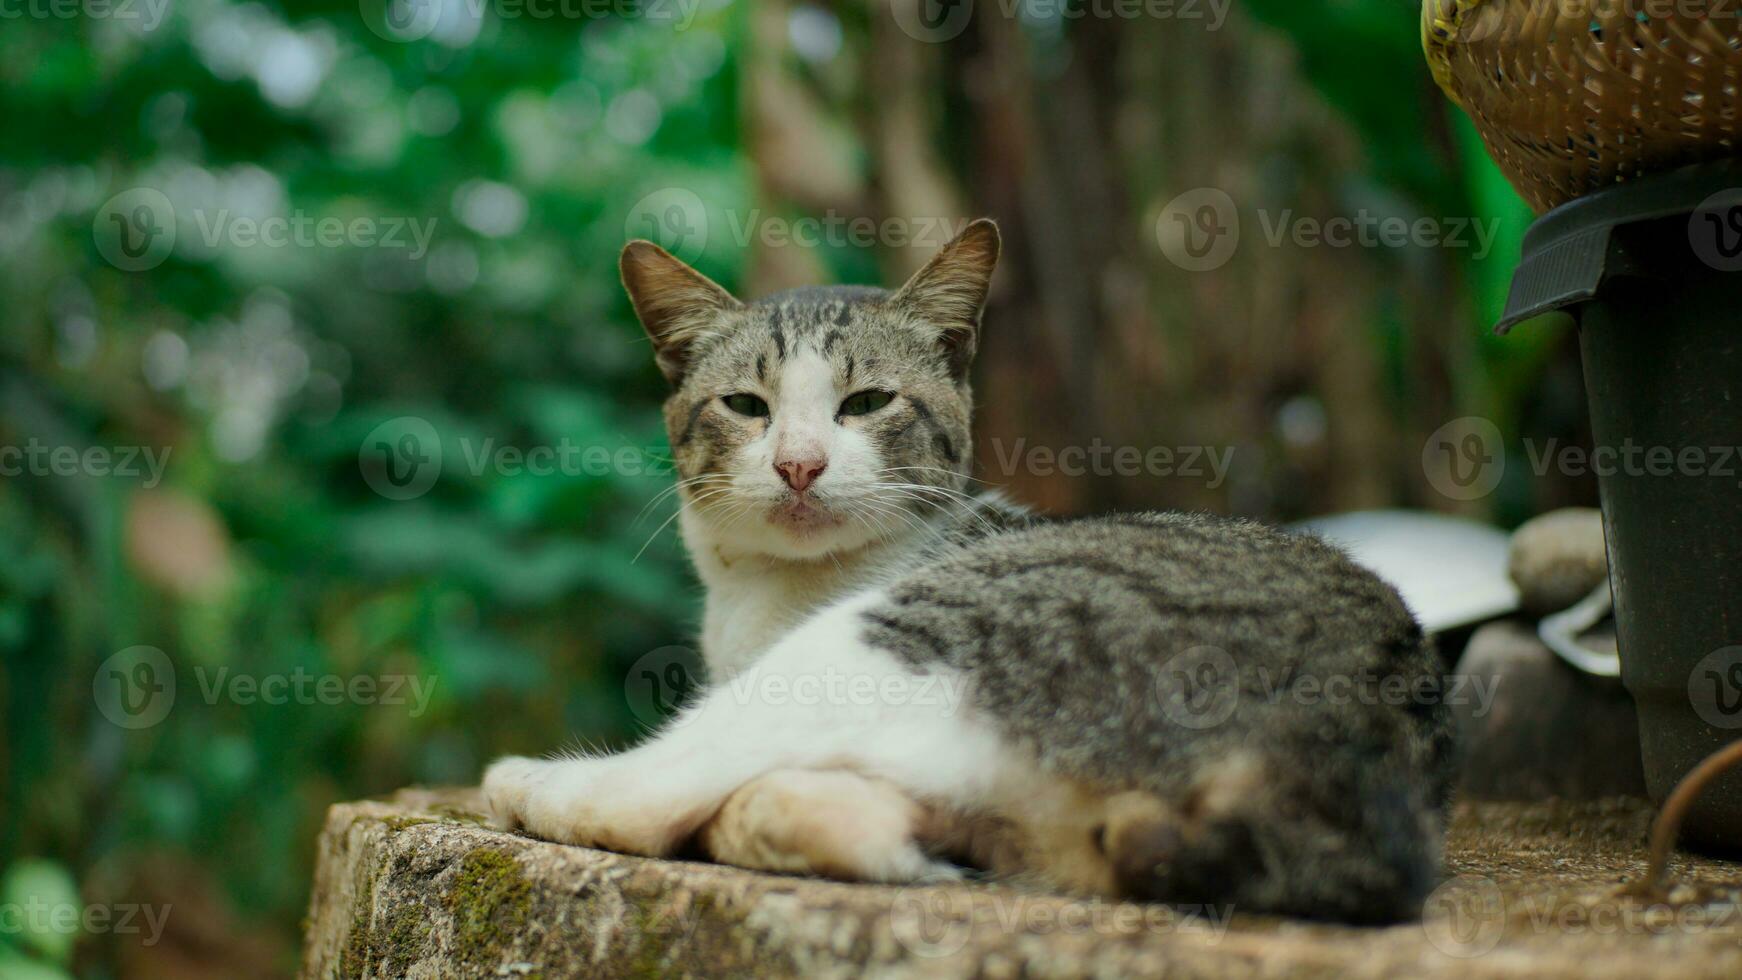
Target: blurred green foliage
265	552
263	368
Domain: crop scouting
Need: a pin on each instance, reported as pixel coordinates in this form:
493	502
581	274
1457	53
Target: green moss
458	814
399	941
397	824
404	939
355	956
490	900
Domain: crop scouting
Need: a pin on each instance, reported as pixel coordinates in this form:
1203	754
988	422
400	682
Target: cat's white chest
753	602
749	608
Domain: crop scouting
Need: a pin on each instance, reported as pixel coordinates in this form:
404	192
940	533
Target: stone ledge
417	887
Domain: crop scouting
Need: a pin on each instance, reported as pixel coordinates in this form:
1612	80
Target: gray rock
415	887
1533	727
1558	558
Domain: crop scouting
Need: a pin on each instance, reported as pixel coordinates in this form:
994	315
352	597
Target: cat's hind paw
830	822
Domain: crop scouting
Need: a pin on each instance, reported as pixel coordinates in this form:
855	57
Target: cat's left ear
950	291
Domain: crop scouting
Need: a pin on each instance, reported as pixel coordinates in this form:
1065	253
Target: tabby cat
908	677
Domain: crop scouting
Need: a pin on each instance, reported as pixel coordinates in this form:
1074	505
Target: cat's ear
950	291
676	304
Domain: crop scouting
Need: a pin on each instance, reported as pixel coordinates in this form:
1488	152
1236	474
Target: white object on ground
1450	570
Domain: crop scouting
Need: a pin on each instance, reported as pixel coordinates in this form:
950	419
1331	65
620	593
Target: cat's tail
1336	842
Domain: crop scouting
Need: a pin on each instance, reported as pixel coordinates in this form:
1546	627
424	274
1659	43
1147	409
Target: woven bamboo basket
1572	96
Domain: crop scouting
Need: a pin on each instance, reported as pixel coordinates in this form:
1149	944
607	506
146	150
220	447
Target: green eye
866	402
745	404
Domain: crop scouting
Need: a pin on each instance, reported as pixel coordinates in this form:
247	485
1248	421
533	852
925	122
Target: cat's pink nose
801	473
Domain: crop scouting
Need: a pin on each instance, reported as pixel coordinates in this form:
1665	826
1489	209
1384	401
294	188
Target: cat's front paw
588	802
508	787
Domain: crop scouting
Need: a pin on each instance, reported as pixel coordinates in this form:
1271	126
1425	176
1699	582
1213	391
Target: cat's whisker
694	502
953	474
674	488
966	505
879	507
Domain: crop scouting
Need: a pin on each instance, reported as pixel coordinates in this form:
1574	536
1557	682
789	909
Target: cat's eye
747	404
866	402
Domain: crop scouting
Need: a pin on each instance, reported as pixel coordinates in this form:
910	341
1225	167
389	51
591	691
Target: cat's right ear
676	304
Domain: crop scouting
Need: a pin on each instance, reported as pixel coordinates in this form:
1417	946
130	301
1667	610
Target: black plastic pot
1649	270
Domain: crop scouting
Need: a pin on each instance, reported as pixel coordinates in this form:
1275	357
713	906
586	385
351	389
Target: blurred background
205	516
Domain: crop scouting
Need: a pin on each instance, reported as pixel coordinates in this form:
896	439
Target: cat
909	678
